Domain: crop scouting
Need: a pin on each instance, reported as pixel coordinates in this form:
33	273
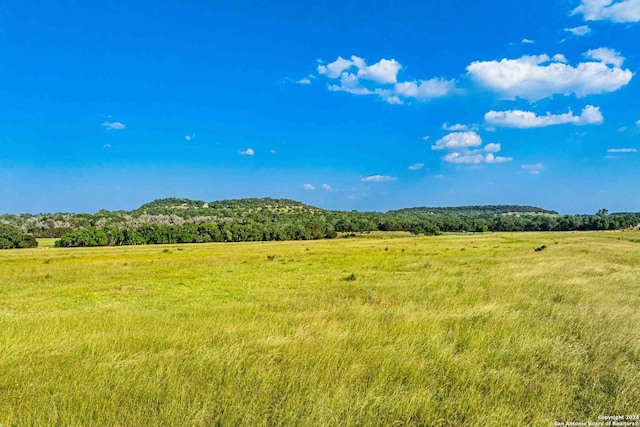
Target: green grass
473	330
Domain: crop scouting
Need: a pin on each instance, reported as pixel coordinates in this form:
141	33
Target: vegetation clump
14	238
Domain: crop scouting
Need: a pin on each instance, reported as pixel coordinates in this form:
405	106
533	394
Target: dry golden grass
476	330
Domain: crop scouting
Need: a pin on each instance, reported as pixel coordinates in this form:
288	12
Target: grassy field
464	330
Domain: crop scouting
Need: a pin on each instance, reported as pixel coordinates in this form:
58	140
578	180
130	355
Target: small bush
541	248
350	278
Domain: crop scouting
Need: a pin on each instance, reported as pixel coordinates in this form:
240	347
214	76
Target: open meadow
473	330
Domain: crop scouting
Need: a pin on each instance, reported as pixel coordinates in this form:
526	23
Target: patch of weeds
180	249
271	257
47	261
350	278
540	248
403	249
386	248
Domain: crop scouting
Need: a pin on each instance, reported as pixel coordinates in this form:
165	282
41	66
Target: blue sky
340	104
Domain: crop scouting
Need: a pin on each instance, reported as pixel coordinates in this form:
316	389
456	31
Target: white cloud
381	79
416	166
533	169
308	187
327	187
638	123
426	138
492	148
460	144
272	151
107	146
527	119
113	126
537	77
622	150
474	157
618	11
439	176
304	81
248	152
458	127
528	41
580	31
379	178
458	140
190	137
606	55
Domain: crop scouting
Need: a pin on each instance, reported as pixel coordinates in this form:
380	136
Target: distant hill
475	210
179	205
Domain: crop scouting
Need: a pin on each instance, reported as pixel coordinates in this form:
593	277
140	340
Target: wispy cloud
248	152
326	187
533	169
379	178
107	146
458	127
308	187
113	126
538	77
622	150
304	81
580	31
528	41
625	11
190	137
527	119
416	166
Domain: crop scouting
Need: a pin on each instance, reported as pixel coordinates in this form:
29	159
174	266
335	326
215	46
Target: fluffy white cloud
533	169
248	152
537	77
326	187
606	55
381	79
618	11
622	150
460	144
379	178
638	123
304	81
458	140
416	166
527	119
580	31
113	126
528	41
308	187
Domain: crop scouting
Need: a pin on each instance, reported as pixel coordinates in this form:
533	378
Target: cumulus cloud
580	31
460	144
248	152
113	126
354	76
458	140
379	178
533	169
622	150
327	187
527	119
416	166
624	11
606	55
308	187
538	77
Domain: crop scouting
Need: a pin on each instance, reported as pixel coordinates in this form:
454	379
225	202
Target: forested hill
475	210
176	220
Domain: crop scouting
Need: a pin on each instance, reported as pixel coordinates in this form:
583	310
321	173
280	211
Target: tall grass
422	333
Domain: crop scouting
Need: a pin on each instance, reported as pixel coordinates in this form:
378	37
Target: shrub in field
12	237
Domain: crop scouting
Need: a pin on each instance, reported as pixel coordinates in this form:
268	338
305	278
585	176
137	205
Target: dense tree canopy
177	220
12	237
